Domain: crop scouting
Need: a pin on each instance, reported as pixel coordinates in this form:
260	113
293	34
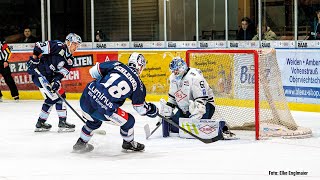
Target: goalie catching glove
196	109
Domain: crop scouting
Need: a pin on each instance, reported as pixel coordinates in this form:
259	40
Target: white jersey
192	86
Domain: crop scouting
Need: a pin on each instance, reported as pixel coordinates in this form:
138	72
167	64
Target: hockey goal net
242	101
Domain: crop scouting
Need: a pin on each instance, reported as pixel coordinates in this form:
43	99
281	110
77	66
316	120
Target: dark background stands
28	38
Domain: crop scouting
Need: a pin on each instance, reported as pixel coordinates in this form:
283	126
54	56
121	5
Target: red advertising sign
107	57
75	81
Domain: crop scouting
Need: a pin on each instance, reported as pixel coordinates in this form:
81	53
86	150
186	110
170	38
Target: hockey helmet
73	41
178	67
137	61
73	37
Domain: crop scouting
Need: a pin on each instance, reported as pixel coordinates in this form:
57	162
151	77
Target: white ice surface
26	155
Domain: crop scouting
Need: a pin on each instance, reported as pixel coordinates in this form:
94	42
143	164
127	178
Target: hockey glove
55	85
196	109
152	110
165	110
32	64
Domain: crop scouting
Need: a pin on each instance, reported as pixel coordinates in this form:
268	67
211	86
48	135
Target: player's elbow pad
148	109
141	109
95	71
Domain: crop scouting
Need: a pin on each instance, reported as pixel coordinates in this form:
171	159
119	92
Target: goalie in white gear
190	94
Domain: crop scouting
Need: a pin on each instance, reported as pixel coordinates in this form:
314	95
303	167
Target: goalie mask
73	42
178	67
137	62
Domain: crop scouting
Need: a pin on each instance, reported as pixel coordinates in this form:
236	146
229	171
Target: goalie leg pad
203	128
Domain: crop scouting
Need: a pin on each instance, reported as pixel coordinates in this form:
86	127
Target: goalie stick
97	131
207	141
147	129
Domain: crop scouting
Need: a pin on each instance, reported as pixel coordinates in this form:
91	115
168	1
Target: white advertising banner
300	74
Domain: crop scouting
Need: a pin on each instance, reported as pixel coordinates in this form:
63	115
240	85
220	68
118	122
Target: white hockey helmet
73	37
137	61
178	67
73	42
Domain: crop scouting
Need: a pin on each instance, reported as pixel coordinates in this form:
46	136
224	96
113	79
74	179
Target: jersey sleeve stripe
171	96
202	97
64	71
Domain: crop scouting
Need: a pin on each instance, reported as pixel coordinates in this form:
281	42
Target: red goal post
242	101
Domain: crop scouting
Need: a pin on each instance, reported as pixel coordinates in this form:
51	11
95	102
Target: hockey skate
82	147
133	146
64	126
227	134
16	98
42	126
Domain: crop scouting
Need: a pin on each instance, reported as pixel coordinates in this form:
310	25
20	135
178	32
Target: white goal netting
242	101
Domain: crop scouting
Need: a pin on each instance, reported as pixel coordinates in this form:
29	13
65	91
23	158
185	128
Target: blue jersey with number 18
106	95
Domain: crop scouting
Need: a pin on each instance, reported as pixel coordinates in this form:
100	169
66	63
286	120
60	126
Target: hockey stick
102	132
147	129
207	141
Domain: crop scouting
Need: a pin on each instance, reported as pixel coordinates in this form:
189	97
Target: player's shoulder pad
192	73
107	66
195	72
111	63
59	47
117	63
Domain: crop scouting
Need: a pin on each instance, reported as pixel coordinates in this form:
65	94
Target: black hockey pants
6	73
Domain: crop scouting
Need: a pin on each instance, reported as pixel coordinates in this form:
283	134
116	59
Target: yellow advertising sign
156	75
217	70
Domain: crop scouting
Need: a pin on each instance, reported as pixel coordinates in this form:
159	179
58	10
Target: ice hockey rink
26	155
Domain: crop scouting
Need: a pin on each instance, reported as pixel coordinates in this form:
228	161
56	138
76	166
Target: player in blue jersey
102	98
54	64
